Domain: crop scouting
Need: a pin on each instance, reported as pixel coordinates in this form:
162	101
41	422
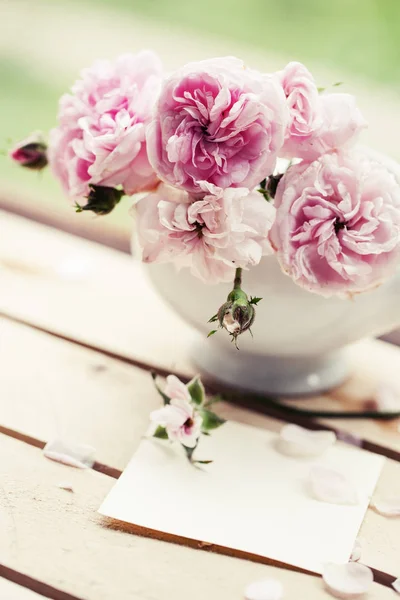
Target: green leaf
196	390
337	83
213	319
160	433
203	462
210	420
265	193
321	89
254	300
212	332
159	390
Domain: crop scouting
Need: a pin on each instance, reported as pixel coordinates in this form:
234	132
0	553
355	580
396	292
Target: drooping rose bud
237	314
101	199
31	152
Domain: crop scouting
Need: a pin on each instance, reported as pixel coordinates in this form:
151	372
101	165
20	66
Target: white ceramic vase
300	338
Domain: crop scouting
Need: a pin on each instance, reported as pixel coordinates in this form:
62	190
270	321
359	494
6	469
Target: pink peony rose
100	138
317	123
304	107
219	122
337	227
213	235
182	422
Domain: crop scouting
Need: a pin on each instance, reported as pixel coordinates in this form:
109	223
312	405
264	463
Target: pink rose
219	122
182	422
101	136
337	227
213	235
304	107
317	123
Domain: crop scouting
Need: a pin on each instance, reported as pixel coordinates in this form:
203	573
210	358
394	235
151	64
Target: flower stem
237	282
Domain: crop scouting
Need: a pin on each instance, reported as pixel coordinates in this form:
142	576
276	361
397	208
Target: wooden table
80	331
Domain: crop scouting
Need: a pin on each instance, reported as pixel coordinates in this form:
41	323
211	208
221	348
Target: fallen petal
297	441
63	485
267	589
328	485
356	552
70	453
347	581
396	586
388	507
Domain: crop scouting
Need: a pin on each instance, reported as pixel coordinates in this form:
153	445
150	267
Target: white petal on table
388	507
267	589
300	442
349	580
356	552
70	453
329	485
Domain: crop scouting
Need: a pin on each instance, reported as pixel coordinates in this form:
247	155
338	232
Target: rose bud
238	313
31	152
101	199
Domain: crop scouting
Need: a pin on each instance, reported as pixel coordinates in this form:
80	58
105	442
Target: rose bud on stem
31	153
101	200
237	314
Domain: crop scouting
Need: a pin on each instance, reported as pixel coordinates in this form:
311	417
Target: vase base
272	375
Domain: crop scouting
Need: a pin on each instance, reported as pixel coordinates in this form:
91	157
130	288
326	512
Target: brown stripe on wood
39	587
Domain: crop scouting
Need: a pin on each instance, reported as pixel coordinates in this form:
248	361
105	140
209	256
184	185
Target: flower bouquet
229	165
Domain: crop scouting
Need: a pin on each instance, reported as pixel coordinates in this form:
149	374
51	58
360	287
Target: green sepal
160	433
210	420
203	462
254	300
189	452
196	390
159	390
213	319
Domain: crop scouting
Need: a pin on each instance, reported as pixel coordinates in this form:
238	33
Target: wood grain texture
58	537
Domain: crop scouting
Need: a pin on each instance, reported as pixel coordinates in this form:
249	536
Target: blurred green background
356	39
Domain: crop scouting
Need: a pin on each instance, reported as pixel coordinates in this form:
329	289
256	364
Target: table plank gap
38	587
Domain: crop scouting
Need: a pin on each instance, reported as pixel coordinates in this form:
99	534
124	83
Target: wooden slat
12	591
58	537
70	391
90	292
49	388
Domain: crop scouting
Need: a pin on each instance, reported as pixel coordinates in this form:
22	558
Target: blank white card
251	498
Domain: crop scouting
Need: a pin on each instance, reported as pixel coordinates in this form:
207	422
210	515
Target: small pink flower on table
185	415
178	417
219	122
101	135
213	235
318	123
337	226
